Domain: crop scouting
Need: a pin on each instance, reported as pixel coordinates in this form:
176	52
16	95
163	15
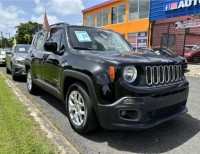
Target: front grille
163	74
166	111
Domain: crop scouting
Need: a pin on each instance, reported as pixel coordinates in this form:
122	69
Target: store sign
142	39
187	24
132	38
181	4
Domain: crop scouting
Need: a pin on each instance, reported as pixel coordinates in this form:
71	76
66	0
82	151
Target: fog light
123	113
132	115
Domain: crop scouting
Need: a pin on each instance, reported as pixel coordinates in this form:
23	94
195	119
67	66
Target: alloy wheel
76	108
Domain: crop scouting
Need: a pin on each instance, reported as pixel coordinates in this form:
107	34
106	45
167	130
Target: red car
193	55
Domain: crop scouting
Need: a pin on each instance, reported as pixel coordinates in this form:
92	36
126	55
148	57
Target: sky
14	12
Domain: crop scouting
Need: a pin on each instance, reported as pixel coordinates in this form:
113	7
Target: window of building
102	18
118	14
138	9
143	9
133	10
90	20
168	40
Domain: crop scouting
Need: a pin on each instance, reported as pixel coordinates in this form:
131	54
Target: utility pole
8	39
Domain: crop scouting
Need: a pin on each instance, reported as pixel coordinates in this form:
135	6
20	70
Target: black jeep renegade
103	81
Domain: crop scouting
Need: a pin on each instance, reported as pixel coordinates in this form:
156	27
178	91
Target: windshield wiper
82	48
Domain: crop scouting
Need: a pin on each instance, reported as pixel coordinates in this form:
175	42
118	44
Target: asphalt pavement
180	135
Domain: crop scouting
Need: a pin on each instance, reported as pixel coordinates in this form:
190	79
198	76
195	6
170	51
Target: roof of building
98	5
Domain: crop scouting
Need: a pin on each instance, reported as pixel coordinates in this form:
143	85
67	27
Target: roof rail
59	23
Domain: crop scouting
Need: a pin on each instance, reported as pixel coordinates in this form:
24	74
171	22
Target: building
127	17
175	23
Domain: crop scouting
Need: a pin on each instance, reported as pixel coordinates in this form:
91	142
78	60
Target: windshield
98	40
2	52
196	48
22	49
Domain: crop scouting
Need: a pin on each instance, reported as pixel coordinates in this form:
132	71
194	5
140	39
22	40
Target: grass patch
19	133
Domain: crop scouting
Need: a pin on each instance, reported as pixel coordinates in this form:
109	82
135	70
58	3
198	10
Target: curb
64	147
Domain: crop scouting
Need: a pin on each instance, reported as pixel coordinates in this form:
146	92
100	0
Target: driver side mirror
50	46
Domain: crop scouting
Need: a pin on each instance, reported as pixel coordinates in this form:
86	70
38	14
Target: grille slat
163	74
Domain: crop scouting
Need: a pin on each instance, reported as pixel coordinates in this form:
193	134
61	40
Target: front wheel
14	77
7	70
80	110
32	88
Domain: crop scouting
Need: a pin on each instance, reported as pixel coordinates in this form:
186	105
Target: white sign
187	24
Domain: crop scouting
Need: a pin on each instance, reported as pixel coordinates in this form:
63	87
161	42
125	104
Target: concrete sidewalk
193	70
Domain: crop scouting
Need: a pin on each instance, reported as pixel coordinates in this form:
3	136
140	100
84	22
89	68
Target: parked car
2	56
193	55
103	81
189	47
15	60
169	53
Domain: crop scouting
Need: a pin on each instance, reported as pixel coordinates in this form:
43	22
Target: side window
34	40
40	42
56	36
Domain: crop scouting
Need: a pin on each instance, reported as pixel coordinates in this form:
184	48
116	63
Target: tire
7	70
81	114
32	88
195	59
14	77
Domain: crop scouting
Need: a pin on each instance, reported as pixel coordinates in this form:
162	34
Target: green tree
27	37
5	43
26	31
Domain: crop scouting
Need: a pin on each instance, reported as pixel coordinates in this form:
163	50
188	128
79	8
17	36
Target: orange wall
122	28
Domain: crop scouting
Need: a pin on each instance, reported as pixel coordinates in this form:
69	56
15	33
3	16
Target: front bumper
19	70
2	61
132	113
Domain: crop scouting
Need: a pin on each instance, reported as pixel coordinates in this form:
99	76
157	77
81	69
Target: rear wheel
32	88
80	110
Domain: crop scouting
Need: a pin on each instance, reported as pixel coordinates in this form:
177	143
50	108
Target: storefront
127	17
175	23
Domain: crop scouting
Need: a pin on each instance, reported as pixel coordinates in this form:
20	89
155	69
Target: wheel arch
70	76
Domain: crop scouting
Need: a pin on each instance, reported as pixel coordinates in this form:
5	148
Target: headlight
19	60
130	74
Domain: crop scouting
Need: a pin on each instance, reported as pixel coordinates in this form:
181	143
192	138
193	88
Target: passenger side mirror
50	46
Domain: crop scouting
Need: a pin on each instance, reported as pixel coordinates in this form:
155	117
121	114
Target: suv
103	81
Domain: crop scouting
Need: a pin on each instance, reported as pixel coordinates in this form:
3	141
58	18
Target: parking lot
180	135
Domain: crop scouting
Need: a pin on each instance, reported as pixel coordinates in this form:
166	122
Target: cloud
51	19
61	7
10	17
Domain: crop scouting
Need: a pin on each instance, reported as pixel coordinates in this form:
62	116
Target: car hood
22	55
132	57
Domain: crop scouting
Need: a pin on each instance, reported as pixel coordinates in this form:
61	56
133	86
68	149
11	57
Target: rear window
22	49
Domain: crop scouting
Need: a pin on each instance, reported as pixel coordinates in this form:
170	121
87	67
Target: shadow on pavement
162	138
